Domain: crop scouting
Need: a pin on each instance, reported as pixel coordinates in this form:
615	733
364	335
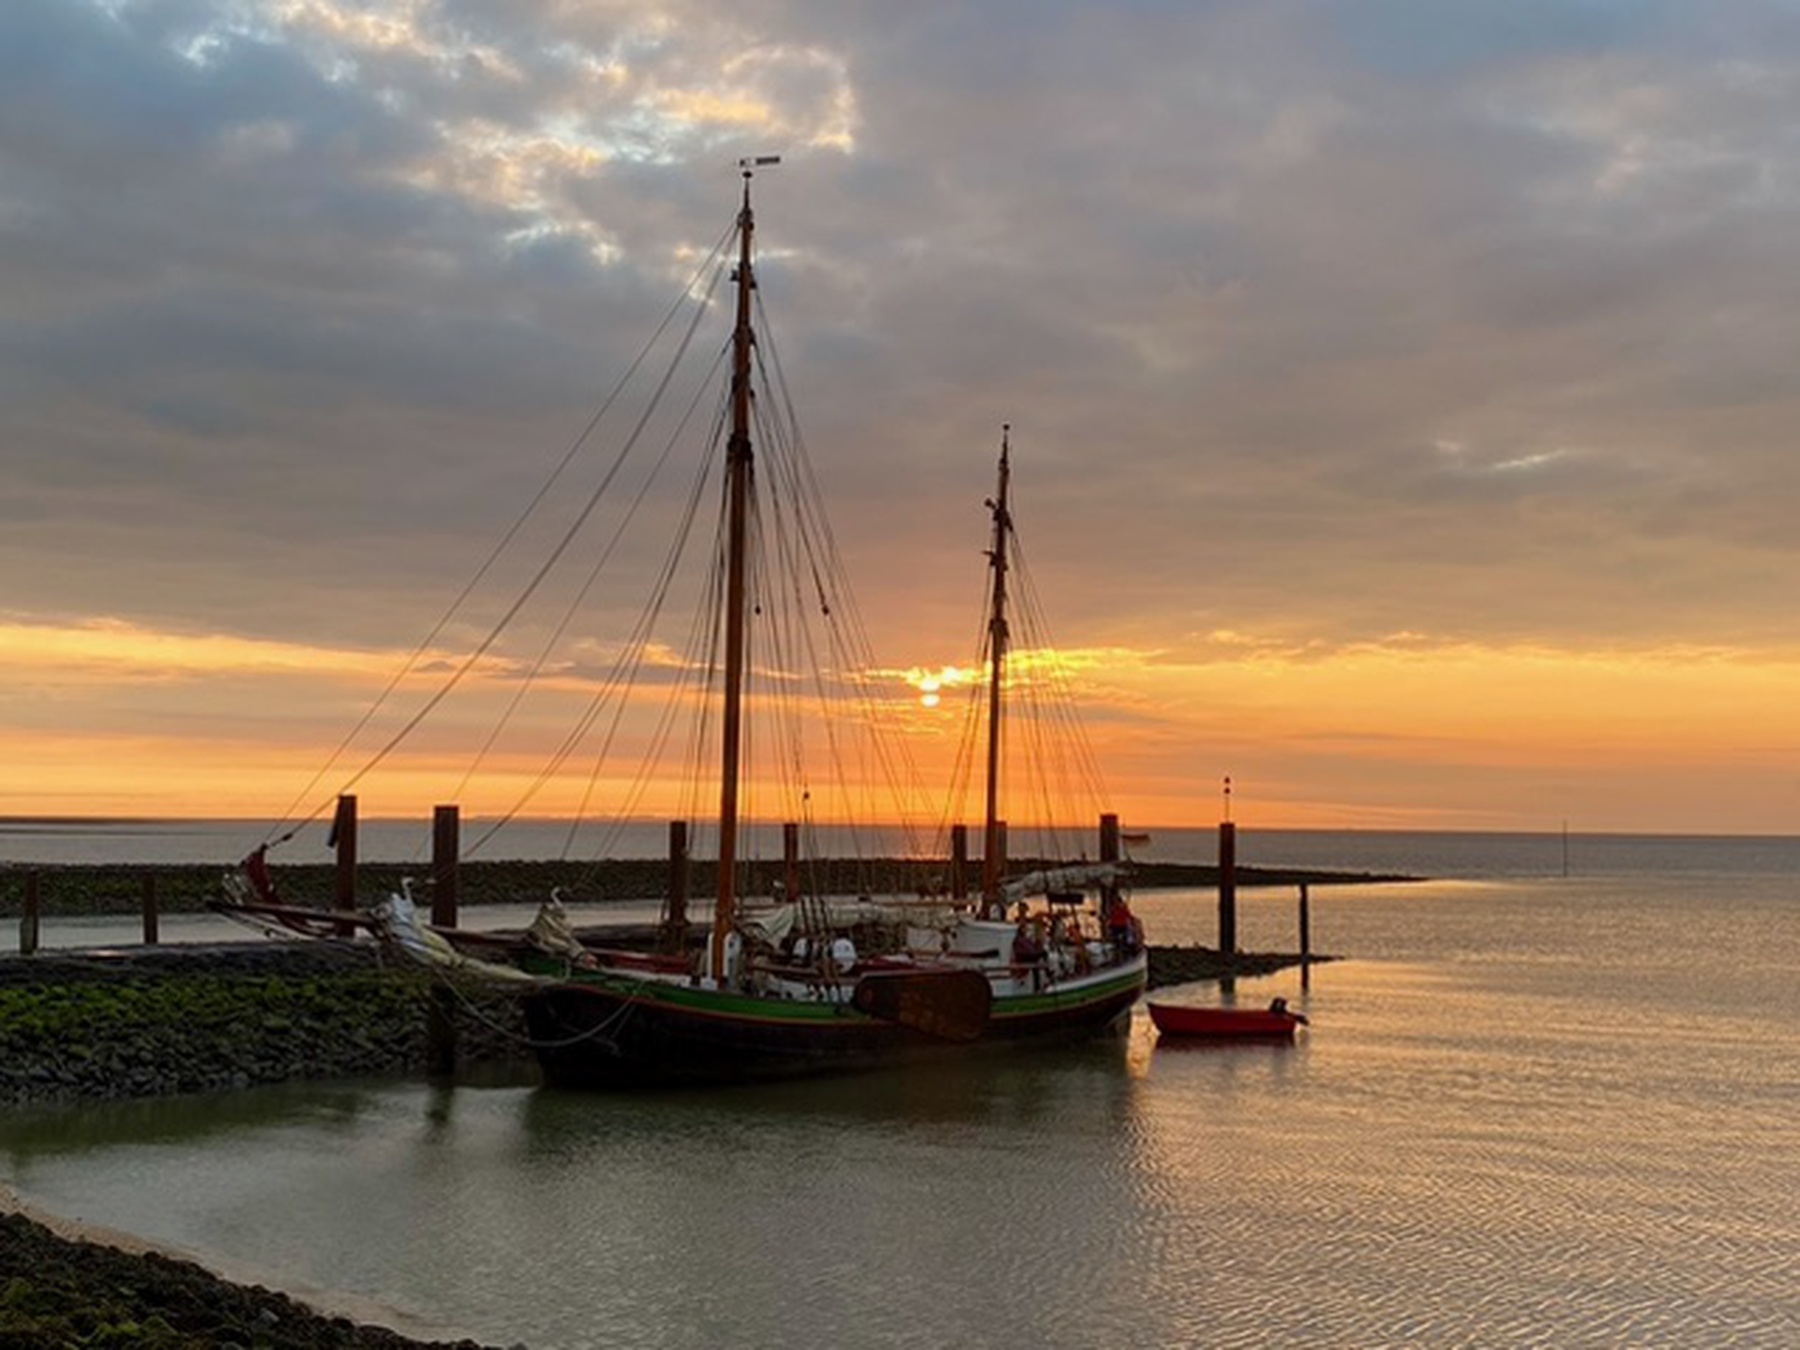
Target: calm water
1529	1111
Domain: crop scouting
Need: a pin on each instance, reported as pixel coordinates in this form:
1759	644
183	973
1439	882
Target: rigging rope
709	265
581	595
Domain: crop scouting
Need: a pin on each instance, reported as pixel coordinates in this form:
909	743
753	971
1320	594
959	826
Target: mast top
748	165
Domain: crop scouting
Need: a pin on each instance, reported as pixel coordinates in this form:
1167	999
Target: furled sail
397	922
1071	878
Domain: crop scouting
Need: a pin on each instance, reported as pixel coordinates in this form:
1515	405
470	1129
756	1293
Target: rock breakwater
152	1021
57	1291
1186	965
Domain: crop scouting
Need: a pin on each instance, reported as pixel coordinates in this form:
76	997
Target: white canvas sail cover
397	921
1071	878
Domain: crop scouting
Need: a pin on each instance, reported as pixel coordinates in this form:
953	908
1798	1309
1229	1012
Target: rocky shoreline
63	1290
152	1021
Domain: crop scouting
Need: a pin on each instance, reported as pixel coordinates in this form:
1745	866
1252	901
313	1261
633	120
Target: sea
1548	1095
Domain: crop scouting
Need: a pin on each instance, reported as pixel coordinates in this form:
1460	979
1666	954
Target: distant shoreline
89	824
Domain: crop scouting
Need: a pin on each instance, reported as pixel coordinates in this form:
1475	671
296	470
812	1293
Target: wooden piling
29	921
959	862
440	1017
343	839
1228	887
440	1014
1109	853
151	910
446	849
675	925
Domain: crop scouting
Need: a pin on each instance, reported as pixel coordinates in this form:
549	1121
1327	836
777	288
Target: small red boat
1273	1022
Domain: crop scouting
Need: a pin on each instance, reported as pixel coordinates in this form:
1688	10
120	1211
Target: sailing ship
814	984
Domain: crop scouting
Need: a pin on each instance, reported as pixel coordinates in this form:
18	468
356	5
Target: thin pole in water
1305	940
1227	879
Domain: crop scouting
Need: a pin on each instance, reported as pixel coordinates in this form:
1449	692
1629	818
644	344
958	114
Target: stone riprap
150	1021
57	1291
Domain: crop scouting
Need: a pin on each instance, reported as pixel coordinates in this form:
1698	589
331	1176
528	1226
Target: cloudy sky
1403	391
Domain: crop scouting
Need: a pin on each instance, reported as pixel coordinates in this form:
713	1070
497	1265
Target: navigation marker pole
1227	879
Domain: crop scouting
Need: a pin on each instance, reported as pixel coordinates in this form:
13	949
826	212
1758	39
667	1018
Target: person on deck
1122	926
1026	949
1028	953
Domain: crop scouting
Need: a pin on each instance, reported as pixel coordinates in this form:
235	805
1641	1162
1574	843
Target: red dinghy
1272	1022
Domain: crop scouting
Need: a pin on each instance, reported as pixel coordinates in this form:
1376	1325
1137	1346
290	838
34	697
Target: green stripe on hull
1053	1000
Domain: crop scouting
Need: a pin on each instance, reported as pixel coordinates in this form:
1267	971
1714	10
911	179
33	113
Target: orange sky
112	719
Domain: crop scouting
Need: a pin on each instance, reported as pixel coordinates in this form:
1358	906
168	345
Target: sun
931	684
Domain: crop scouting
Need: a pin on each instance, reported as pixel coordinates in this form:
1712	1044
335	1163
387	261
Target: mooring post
1109	853
343	839
1228	888
28	921
440	1022
446	849
1305	940
1227	878
150	909
675	929
959	862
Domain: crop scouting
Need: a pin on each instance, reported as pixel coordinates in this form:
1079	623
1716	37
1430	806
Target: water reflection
1079	1088
48	1132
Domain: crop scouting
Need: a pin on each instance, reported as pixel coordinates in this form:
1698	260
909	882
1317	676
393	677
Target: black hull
593	1037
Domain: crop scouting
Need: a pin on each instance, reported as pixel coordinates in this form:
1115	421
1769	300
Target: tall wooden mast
991	860
738	461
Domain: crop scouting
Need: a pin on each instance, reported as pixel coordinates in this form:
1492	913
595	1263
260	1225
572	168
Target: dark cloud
1416	39
1310	319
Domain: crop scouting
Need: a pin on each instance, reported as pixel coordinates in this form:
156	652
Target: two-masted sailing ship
815	983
